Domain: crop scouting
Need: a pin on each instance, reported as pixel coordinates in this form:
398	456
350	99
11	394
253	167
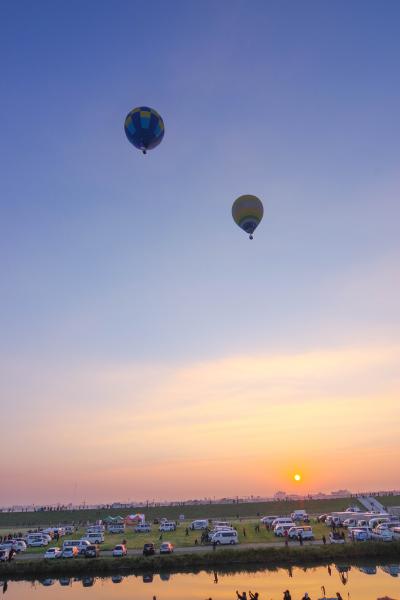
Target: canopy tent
136	519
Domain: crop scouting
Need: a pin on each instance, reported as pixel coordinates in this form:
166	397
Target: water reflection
368	570
392	570
46	582
329	582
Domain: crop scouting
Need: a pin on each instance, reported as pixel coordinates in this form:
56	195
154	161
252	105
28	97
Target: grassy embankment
220	559
179	537
210	511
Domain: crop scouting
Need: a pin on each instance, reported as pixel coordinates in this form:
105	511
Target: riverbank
219	559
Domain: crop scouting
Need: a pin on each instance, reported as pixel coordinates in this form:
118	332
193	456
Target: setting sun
297	477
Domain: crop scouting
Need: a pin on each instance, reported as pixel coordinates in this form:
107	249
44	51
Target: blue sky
111	257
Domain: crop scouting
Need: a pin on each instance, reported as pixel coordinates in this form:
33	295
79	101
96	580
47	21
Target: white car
167	527
70	552
336	538
120	550
305	531
20	545
279	530
268	519
384	535
53	553
143	528
359	535
4	554
227	536
198	524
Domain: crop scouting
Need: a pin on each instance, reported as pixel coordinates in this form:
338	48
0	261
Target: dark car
149	549
92	551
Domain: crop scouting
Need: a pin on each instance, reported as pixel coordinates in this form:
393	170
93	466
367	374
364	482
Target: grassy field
389	500
221	559
229	511
245	528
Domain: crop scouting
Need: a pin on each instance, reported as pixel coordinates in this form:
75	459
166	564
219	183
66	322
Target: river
355	583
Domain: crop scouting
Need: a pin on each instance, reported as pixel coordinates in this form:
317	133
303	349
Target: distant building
280	496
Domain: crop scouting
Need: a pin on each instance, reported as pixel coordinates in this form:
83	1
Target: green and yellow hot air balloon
247	212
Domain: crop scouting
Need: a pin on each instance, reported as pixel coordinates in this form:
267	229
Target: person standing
253	596
241	596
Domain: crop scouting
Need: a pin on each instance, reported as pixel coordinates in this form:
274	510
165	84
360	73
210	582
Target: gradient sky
148	348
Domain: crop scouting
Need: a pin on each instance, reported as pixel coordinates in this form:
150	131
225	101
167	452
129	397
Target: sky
148	349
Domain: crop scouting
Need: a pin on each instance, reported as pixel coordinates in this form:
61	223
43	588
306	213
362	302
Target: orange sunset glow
171	434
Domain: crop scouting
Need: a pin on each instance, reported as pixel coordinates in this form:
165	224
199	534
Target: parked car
80	544
384	535
283	521
120	550
69	529
335	538
37	539
167	526
4	554
94	537
305	531
149	549
267	520
70	552
92	551
225	536
54	552
143	528
299	515
279	530
166	548
19	545
198	524
116	528
359	535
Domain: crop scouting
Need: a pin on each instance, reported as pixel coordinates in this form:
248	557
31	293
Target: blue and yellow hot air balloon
247	212
144	128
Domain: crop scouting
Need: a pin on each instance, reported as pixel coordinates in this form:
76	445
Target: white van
199	524
221	524
167	526
306	532
95	529
36	539
117	528
96	537
268	519
299	515
377	521
226	536
80	544
282	521
279	530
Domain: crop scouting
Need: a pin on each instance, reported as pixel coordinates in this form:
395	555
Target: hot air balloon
144	128
247	212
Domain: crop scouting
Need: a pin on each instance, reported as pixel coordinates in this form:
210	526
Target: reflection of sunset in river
269	584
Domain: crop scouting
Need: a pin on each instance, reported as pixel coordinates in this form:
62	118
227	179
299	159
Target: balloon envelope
144	128
247	212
